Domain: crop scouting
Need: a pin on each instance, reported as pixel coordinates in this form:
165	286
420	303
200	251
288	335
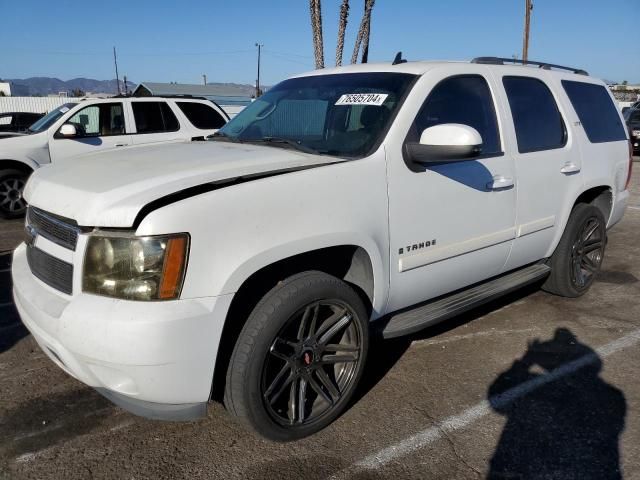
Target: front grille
53	228
51	270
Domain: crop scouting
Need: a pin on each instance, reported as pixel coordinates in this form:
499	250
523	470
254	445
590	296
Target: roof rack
543	65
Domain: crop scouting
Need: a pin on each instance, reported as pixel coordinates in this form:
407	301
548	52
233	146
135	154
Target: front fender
290	249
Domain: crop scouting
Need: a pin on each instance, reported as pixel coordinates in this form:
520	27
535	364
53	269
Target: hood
21	147
12	134
109	189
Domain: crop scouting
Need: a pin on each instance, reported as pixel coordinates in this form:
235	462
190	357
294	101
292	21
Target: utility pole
115	61
527	26
259	45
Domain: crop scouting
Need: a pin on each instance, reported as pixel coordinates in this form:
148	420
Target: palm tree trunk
367	30
342	27
362	32
316	27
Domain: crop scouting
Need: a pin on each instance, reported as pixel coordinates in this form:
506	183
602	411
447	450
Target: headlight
135	268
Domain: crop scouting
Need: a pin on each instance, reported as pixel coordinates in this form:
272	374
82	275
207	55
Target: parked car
96	125
17	122
372	198
632	118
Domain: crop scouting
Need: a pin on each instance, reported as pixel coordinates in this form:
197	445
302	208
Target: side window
596	111
202	116
154	117
100	119
462	99
537	120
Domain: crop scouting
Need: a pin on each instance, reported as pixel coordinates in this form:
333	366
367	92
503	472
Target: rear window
536	117
154	117
596	111
202	116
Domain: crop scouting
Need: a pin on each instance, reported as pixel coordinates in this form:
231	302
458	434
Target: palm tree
316	27
363	34
342	27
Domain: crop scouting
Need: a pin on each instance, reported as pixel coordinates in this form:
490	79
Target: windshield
344	115
50	118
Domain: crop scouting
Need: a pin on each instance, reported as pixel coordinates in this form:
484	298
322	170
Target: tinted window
536	118
154	117
596	111
466	100
101	119
634	116
202	116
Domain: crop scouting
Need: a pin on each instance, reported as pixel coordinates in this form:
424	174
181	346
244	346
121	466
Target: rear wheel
579	255
12	202
299	357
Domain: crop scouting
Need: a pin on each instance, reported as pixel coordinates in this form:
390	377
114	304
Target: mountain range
43	86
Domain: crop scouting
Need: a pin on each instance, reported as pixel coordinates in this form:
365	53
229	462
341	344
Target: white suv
369	198
95	125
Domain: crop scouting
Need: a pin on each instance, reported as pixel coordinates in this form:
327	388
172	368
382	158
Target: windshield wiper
287	141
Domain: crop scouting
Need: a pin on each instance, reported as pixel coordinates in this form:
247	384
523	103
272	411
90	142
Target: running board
411	321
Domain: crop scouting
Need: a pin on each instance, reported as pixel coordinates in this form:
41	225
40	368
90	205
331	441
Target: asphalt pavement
530	386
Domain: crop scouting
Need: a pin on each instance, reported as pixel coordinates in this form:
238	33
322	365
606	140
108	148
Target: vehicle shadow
11	328
567	428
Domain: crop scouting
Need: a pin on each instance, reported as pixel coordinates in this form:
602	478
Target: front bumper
155	359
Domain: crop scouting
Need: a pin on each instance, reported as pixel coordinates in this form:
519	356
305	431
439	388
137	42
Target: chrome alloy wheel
311	363
11	199
587	252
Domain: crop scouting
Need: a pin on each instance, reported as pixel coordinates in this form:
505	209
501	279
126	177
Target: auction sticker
362	99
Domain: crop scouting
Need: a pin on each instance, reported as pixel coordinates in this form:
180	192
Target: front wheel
12	202
578	257
299	357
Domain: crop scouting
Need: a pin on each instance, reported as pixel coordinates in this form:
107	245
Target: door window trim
417	168
57	135
565	135
133	114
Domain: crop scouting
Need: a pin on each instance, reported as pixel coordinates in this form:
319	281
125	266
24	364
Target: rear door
155	122
100	126
547	160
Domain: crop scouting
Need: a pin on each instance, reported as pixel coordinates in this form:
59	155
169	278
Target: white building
5	89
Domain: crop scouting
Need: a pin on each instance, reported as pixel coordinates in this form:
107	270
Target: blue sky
181	40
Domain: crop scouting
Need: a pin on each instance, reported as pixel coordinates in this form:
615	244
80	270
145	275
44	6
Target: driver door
100	126
451	224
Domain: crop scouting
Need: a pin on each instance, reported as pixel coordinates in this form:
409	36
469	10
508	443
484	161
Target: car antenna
398	59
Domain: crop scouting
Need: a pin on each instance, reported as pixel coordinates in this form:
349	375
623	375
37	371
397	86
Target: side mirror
68	131
449	142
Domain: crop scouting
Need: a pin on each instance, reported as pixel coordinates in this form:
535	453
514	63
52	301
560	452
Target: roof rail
543	65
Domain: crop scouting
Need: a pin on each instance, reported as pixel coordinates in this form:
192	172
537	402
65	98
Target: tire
275	362
12	204
578	257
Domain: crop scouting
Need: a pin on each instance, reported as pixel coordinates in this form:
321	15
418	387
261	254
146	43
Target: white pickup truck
367	199
97	125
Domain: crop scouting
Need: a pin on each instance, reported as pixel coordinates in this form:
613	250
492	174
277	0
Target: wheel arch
352	263
9	164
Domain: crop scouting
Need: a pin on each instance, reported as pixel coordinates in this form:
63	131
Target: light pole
259	45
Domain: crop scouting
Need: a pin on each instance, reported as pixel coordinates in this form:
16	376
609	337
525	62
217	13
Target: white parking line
633	207
482	409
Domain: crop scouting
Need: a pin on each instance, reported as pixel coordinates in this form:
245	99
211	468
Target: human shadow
567	425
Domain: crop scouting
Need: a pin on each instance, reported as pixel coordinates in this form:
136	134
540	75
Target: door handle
500	182
121	144
570	167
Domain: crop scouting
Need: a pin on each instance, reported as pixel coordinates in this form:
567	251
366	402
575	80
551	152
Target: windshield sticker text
362	99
